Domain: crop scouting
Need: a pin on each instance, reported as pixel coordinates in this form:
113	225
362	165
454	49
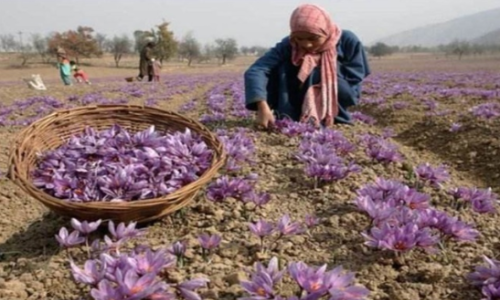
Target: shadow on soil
36	240
473	149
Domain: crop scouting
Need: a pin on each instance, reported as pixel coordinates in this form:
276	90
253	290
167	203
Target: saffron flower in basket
116	165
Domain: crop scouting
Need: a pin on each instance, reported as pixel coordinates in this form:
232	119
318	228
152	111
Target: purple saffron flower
311	279
91	274
259	199
378	211
135	286
209	242
341	286
272	270
381	150
491	291
122	232
460	230
260	286
434	176
187	288
455	127
400	239
106	291
85	227
311	220
483	200
261	229
485	275
178	249
69	240
359	116
412	198
286	227
112	245
153	261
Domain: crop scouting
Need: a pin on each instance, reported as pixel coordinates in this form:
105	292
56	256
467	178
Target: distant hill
491	38
468	28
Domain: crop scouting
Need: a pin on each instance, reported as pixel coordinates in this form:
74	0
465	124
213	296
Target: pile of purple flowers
239	147
330	138
115	165
487	278
361	117
113	271
432	176
312	283
490	110
284	227
25	112
403	219
291	128
240	188
321	152
398	105
188	106
238	108
481	200
217	105
380	149
323	164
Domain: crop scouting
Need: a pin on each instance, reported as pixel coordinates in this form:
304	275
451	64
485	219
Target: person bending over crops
146	62
78	73
312	75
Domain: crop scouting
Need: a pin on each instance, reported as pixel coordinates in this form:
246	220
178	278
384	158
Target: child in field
64	67
156	69
314	74
79	74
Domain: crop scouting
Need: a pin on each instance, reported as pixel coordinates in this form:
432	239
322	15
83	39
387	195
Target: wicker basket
53	130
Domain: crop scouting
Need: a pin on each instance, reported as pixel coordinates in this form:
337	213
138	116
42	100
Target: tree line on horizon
85	42
457	48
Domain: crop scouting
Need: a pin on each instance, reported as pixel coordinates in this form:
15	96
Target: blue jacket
273	77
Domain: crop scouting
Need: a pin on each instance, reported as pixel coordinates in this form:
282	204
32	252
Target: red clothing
80	75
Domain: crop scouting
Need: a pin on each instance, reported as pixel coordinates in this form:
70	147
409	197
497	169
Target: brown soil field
33	266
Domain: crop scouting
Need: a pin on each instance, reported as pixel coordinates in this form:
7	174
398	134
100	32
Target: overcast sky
250	22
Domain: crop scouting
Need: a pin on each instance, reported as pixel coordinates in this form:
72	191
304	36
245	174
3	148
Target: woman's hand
265	117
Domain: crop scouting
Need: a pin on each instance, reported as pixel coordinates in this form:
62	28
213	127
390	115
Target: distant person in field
156	70
312	75
79	75
64	67
146	62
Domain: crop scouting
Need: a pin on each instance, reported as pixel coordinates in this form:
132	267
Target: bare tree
8	42
189	48
207	53
120	46
100	39
25	53
458	48
226	49
41	46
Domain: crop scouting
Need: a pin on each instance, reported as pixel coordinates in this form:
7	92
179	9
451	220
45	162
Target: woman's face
308	41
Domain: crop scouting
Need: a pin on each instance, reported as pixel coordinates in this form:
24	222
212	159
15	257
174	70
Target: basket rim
218	160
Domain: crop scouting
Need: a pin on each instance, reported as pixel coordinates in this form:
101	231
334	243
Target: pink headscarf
320	102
